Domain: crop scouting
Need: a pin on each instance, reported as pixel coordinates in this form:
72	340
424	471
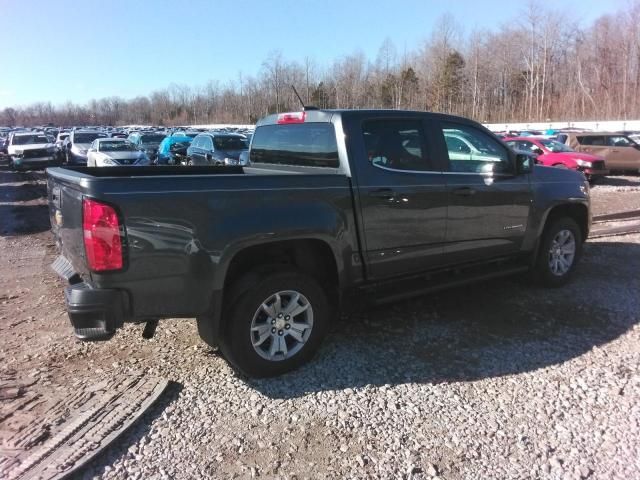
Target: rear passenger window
473	151
590	140
395	144
303	144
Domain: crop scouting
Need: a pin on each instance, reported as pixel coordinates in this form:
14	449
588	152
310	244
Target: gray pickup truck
336	208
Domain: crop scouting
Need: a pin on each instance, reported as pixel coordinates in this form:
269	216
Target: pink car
555	154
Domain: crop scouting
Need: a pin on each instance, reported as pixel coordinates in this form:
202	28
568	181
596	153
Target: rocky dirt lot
499	380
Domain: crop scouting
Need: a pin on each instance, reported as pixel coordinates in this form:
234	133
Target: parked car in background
31	149
75	146
147	142
173	150
115	152
555	154
211	148
4	143
59	144
619	151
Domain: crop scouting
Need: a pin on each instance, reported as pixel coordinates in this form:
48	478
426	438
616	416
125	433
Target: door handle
464	191
385	193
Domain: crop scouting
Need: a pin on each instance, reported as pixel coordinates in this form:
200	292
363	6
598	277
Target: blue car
173	150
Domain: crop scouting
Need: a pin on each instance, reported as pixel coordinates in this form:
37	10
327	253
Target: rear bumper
95	314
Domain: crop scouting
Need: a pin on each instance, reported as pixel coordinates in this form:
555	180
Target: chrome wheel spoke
277	305
292	305
269	310
263	331
298	309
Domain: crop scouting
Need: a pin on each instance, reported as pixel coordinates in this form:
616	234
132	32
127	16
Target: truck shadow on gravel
482	331
22	193
23	219
9	176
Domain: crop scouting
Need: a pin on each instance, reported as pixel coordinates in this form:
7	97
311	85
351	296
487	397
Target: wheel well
577	212
314	257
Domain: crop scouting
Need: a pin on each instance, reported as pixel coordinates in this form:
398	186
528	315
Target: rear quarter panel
183	232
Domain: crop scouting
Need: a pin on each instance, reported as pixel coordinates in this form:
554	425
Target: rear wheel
560	250
276	324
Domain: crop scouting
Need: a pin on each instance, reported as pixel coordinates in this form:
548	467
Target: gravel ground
616	194
511	382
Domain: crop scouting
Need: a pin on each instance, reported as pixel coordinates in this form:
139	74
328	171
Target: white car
31	149
115	152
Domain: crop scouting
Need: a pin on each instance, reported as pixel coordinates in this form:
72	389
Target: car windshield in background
151	139
87	137
117	147
556	147
29	139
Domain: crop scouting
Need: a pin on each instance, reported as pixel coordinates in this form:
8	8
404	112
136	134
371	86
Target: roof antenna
304	107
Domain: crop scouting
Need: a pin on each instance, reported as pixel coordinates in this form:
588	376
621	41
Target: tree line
541	66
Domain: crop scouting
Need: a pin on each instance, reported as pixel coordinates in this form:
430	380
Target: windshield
151	139
87	137
29	139
117	147
229	143
556	147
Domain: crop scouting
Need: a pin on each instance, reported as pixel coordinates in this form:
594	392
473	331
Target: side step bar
441	282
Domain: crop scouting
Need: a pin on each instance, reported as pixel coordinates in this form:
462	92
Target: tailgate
65	214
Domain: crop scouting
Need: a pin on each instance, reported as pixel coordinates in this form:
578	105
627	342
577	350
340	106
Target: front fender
553	188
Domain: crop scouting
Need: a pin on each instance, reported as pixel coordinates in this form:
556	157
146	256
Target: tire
550	270
247	322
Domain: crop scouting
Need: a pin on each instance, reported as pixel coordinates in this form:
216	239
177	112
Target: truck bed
183	225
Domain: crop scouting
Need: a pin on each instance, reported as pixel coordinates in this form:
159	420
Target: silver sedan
114	152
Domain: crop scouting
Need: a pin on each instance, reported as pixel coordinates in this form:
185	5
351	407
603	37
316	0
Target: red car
555	154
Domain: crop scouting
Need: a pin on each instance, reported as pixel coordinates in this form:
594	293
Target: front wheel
276	324
560	250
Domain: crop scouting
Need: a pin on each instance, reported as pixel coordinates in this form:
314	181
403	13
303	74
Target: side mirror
537	151
524	163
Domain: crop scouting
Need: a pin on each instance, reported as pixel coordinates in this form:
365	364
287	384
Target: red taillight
293	117
102	241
